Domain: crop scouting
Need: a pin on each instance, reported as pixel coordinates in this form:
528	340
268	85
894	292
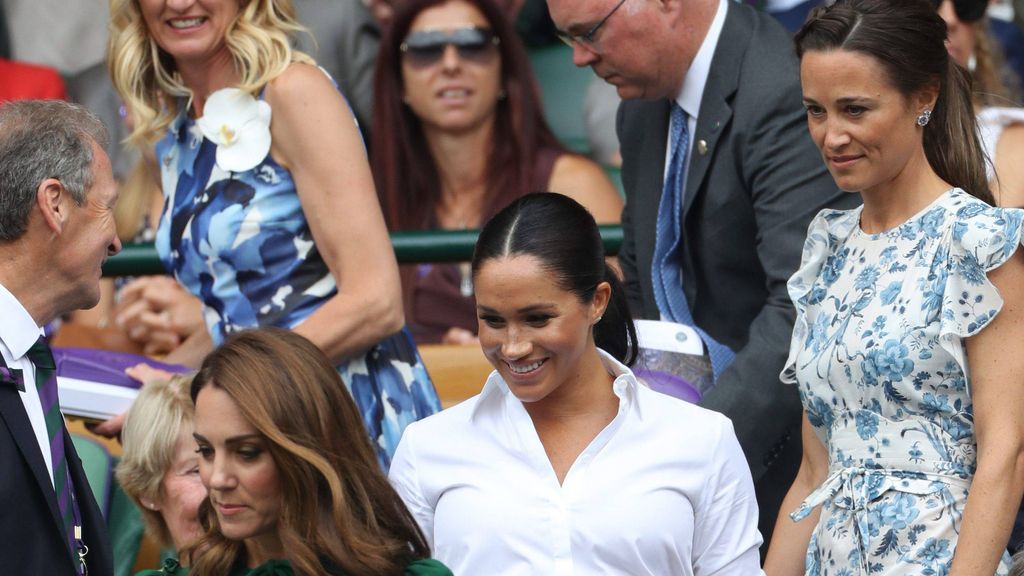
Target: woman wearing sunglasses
270	214
458	134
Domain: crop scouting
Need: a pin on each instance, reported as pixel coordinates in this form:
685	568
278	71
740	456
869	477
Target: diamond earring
924	118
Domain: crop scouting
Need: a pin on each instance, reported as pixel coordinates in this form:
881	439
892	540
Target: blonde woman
270	216
159	469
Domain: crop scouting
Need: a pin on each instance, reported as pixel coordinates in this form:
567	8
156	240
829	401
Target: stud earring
924	118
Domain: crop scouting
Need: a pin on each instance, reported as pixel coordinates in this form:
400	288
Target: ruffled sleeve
827	232
982	239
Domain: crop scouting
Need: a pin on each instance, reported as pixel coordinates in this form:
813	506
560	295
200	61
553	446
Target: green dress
421	567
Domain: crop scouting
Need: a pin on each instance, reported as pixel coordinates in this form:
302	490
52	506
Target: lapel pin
702	147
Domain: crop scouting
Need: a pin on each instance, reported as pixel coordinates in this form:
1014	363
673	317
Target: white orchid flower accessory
240	127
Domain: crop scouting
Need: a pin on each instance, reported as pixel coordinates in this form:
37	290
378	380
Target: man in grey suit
746	182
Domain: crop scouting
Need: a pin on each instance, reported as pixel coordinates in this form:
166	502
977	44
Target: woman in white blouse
564	463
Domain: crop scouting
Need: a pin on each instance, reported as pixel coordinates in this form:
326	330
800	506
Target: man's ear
53	202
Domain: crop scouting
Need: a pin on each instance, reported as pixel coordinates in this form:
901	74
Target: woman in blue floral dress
910	315
270	216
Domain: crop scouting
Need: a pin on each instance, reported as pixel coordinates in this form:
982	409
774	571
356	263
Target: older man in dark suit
57	195
721	181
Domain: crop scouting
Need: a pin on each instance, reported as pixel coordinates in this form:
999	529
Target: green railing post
410	247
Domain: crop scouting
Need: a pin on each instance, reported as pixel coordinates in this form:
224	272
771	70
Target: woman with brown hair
293	482
909	314
458	134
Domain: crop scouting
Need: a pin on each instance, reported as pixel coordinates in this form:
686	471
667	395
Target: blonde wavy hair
161	413
145	75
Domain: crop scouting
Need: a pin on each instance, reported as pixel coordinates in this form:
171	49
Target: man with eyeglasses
713	116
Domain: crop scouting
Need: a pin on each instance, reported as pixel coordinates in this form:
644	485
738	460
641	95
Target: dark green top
422	567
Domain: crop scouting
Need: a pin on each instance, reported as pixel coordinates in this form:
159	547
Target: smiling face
90	236
181	492
537	335
189	30
865	128
238	471
452	94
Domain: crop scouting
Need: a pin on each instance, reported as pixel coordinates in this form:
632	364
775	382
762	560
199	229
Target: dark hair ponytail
907	38
560	233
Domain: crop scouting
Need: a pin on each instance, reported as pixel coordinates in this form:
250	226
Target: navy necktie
666	268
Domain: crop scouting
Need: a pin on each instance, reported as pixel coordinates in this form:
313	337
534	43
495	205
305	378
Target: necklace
460	219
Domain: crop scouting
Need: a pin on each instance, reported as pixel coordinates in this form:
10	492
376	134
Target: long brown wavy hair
338	510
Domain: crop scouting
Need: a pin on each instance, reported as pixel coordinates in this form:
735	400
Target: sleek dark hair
404	170
907	38
560	233
338	508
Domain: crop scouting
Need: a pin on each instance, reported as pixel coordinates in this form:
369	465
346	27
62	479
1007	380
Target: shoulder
298	83
586	182
448	424
682	419
982	232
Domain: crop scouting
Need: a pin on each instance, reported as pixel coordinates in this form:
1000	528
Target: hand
145	373
111	428
456	335
158	313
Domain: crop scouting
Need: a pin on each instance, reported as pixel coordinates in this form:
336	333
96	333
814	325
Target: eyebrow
232	440
526	310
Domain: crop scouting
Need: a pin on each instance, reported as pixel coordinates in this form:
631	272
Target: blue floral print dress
878	355
240	242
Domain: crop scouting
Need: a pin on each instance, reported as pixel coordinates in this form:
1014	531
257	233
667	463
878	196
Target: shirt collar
495	390
692	91
18	331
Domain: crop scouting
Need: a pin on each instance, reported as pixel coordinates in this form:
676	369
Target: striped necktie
46	383
666	269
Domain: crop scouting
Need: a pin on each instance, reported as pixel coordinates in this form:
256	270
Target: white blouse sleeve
404	478
725	539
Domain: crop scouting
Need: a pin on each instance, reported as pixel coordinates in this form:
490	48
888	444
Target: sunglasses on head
966	10
425	47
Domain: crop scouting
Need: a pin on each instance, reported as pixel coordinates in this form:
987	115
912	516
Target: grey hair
42	139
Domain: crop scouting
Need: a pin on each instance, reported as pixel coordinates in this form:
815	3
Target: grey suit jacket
748	201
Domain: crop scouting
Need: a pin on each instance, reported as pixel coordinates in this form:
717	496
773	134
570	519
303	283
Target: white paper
668	336
93	399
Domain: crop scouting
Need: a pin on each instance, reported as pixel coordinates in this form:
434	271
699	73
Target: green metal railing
410	247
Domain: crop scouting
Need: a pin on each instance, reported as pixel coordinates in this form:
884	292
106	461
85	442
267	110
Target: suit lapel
715	108
12	412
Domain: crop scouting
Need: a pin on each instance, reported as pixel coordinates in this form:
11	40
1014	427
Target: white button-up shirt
663	490
18	332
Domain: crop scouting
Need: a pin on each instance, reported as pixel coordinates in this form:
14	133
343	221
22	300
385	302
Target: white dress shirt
691	93
663	490
18	332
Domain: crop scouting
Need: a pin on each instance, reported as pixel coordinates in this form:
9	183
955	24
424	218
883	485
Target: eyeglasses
426	47
966	10
587	38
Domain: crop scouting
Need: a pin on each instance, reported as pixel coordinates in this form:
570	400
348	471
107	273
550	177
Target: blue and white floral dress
240	242
878	354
